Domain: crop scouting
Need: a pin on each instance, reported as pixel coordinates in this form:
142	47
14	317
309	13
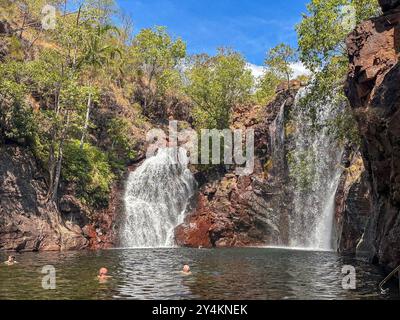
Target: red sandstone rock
235	211
28	221
374	93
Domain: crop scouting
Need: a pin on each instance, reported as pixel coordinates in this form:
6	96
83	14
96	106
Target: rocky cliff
245	210
353	205
373	91
27	220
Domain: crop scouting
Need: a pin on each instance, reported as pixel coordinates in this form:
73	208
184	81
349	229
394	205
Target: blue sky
251	27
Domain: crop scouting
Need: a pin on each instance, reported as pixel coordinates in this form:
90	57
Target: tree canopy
215	85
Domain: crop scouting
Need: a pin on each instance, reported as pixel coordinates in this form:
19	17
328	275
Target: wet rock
73	210
235	211
373	91
353	205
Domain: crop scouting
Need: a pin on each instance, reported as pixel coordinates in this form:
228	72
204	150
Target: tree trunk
85	128
59	160
23	25
52	160
74	60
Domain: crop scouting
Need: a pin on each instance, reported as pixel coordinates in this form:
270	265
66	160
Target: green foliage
323	30
279	61
216	84
98	11
345	128
16	51
326	87
266	88
16	117
90	171
322	34
122	142
97	52
156	57
302	169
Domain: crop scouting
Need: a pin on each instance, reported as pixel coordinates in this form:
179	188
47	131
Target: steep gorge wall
373	88
27	220
353	203
237	211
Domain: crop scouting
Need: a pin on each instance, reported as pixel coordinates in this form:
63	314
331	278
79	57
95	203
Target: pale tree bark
85	128
60	159
53	135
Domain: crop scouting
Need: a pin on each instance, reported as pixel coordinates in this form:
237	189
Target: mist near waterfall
315	171
157	196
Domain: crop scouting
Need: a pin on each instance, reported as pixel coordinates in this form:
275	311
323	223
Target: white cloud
298	70
257	71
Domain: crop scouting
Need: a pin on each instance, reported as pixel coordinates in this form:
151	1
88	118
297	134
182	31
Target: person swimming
103	274
11	260
186	270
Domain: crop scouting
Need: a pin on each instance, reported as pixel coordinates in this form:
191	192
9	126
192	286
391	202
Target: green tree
322	32
156	57
88	169
119	131
266	88
96	55
16	117
216	85
279	60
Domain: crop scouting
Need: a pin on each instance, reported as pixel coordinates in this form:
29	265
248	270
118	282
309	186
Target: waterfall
314	167
277	140
156	199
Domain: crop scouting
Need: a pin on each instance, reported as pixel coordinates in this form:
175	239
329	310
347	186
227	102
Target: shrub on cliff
16	117
88	169
122	148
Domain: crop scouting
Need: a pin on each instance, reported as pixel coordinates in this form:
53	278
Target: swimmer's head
103	271
11	258
186	268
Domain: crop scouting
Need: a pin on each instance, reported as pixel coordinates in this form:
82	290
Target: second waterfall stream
157	196
315	170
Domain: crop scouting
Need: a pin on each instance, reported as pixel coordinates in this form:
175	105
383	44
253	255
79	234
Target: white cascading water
157	196
315	170
277	139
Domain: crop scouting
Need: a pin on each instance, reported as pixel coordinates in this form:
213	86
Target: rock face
389	4
353	204
244	210
27	220
374	93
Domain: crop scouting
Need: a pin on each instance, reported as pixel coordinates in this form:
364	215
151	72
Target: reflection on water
251	273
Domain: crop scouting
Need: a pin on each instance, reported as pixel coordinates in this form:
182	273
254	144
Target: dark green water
251	273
